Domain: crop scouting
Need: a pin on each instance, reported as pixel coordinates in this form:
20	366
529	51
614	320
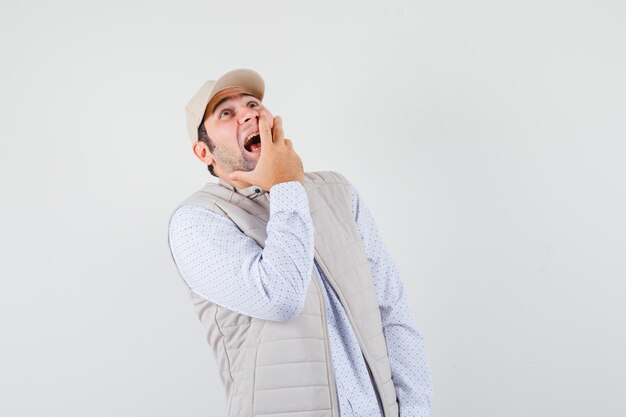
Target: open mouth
252	142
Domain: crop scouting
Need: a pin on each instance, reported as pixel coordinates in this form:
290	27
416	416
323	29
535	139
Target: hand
278	161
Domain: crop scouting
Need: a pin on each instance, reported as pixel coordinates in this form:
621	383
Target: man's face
232	124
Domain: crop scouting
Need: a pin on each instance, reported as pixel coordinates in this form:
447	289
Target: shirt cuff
414	412
288	196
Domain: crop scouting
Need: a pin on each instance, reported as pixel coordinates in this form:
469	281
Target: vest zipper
334	401
357	334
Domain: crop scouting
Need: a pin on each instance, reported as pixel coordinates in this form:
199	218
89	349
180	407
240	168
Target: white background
487	137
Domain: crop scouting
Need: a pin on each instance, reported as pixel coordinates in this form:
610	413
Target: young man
304	308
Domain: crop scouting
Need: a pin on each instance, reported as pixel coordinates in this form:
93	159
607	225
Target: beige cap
245	78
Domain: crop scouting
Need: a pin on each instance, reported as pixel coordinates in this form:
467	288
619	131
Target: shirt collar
251	192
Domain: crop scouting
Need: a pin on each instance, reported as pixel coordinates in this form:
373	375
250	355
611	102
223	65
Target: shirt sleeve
223	265
405	345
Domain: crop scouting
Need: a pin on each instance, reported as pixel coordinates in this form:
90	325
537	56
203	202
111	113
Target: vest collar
251	192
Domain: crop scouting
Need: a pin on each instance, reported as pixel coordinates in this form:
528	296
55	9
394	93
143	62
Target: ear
201	150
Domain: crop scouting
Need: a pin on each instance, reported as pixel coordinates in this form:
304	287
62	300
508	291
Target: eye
253	104
224	113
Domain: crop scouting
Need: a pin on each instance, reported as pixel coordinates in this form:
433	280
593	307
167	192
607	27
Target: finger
278	135
265	131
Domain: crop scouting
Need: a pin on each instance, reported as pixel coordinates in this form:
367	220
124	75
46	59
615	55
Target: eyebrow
225	99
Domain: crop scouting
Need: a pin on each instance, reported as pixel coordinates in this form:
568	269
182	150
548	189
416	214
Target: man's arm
405	346
223	265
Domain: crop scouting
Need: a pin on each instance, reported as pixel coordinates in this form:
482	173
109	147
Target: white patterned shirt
221	264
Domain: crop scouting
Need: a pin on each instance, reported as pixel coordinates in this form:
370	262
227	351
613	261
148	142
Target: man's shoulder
205	199
328	188
325	177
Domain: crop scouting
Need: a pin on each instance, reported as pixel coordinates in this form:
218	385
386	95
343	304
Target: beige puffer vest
283	369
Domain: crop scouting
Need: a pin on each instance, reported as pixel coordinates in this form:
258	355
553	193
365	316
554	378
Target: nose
248	114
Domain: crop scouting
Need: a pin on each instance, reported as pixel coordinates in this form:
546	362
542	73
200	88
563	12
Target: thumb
239	176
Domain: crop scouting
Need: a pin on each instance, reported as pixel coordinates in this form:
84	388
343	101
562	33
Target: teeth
250	136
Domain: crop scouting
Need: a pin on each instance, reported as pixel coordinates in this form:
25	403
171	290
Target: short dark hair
204	138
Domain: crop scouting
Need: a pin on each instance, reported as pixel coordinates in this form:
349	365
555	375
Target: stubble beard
233	162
